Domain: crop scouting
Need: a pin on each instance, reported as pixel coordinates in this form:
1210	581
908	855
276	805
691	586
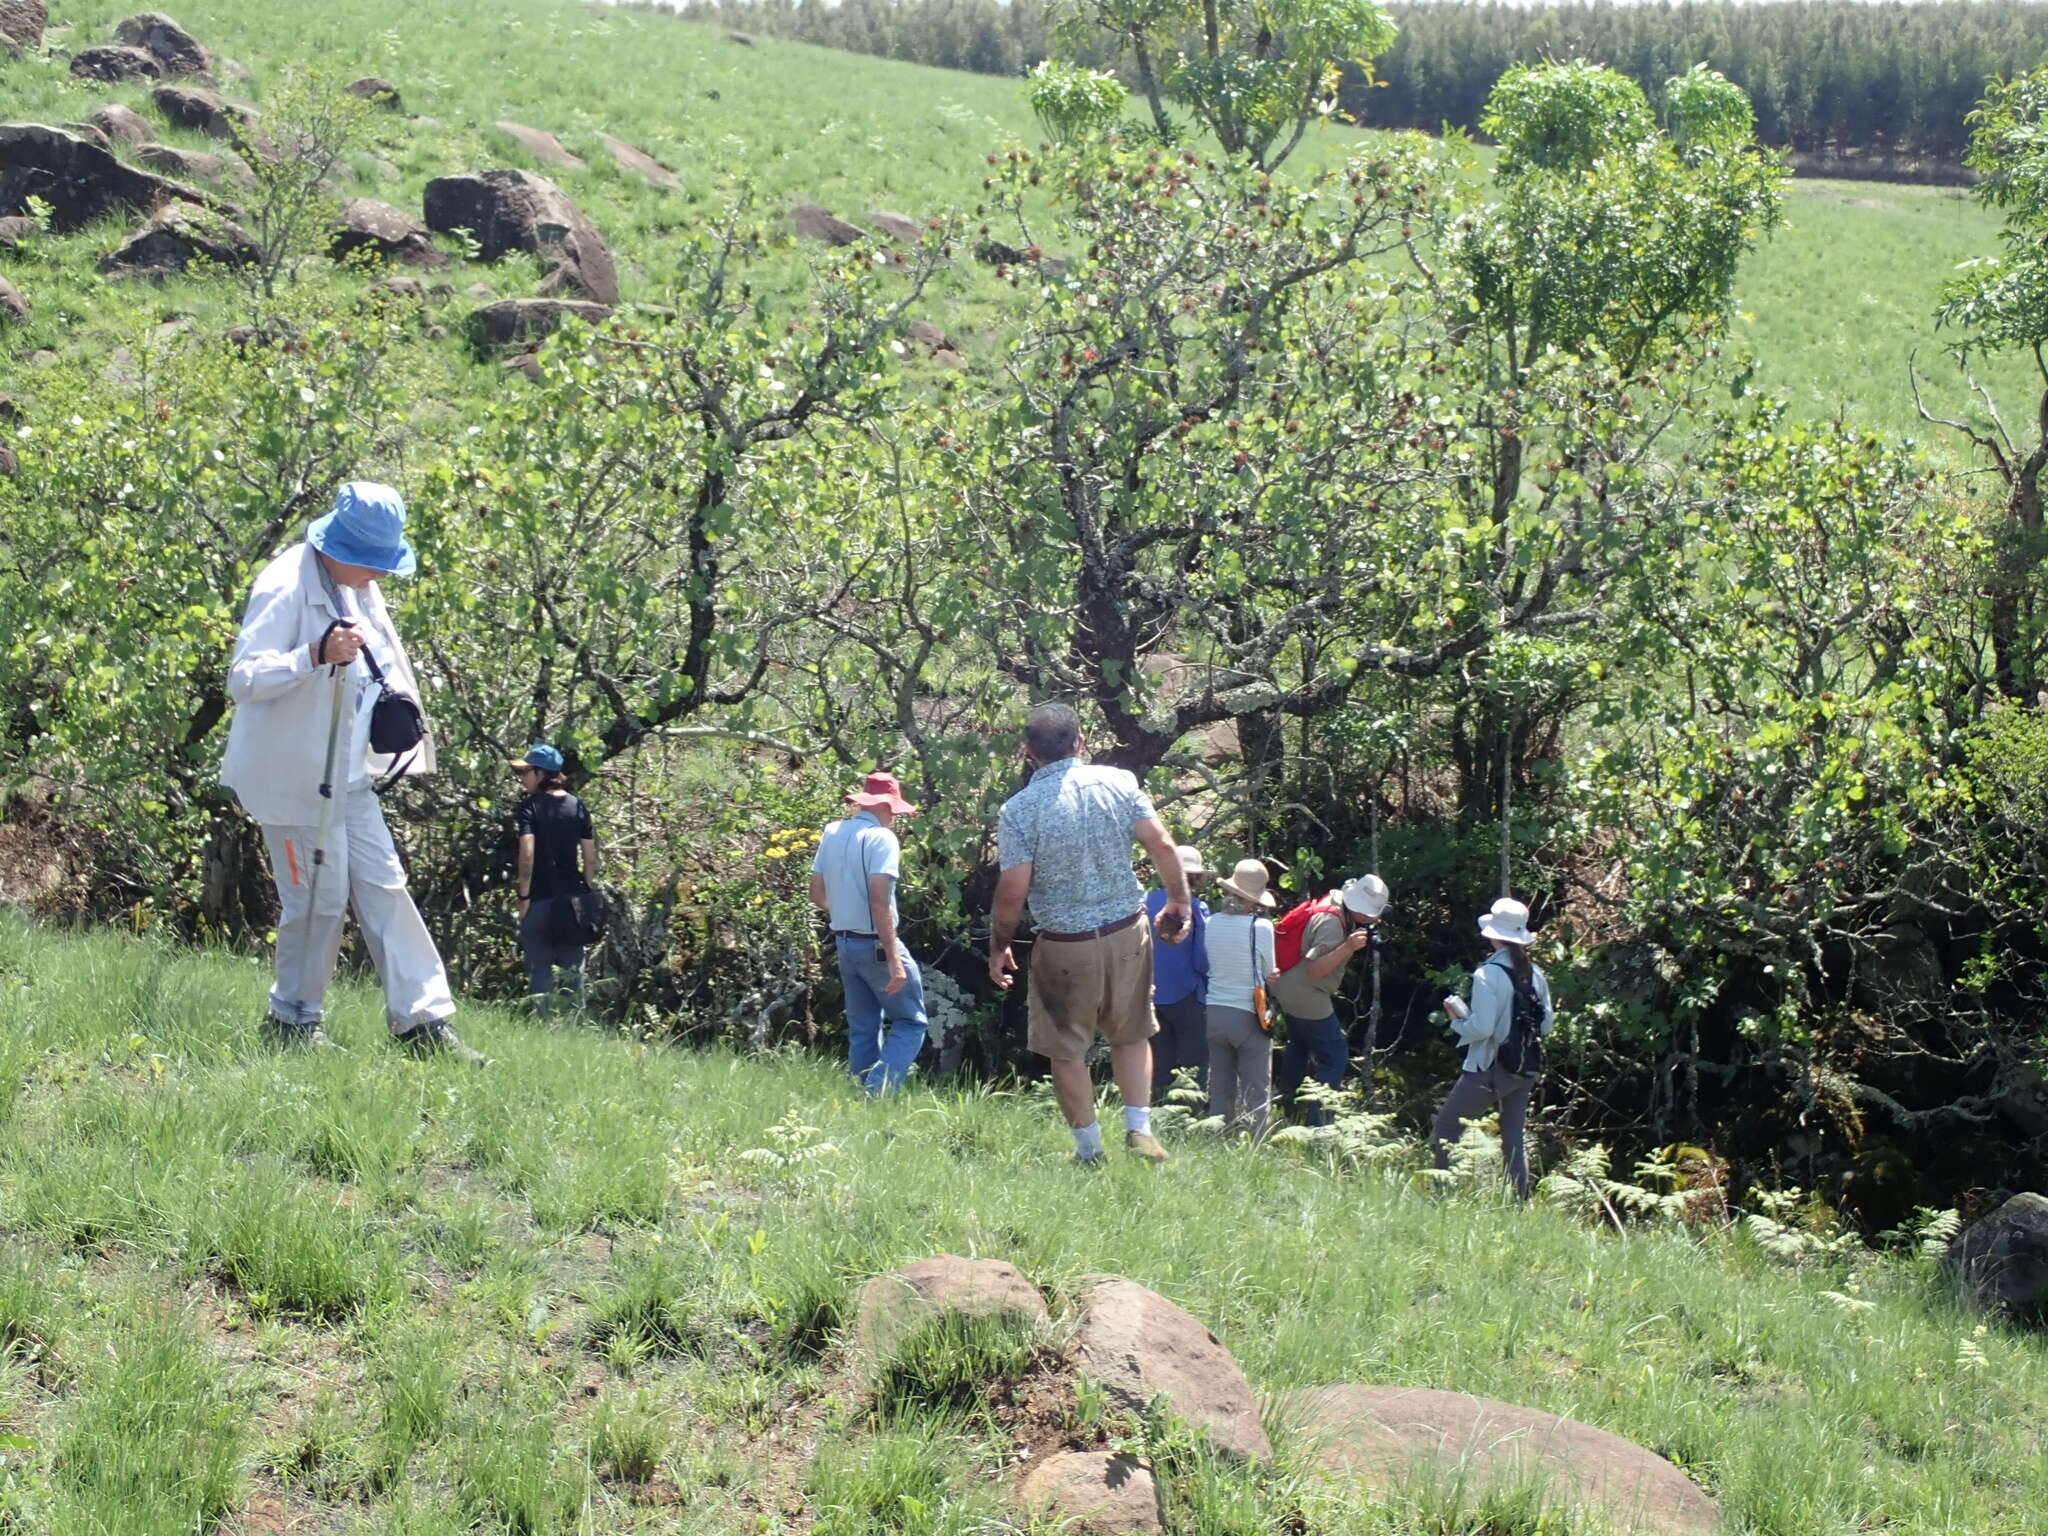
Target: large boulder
16	230
542	145
520	322
13	307
92	133
1138	1345
1093	1493
376	89
175	50
115	63
22	21
814	223
202	111
640	163
2002	1260
177	238
80	181
897	226
394	235
521	211
194	165
1376	1439
894	1306
122	125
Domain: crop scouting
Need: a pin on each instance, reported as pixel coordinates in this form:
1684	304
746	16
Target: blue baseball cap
542	756
366	528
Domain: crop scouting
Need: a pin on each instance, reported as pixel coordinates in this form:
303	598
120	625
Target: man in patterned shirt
1064	841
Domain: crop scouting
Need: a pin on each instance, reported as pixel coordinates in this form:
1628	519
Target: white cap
1367	895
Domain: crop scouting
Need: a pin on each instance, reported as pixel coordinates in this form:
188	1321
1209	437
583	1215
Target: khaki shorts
1080	987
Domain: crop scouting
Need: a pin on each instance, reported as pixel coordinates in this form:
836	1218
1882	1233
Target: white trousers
361	870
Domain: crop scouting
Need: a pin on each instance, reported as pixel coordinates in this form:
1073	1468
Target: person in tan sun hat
853	882
1240	1027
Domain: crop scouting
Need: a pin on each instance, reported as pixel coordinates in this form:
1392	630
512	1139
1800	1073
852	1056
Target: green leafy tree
1255	73
2000	304
1071	102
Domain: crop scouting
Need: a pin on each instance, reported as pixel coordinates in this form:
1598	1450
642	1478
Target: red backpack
1288	932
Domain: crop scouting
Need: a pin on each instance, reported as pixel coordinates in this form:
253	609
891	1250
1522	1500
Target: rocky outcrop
202	111
177	238
814	223
122	125
389	233
521	211
1093	1493
80	181
2001	1261
640	163
22	21
176	51
13	307
516	322
193	165
115	63
1375	1439
542	145
1138	1346
894	1306
92	133
898	226
16	230
375	88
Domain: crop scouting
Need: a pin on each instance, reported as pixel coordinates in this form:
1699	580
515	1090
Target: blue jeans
1315	1048
549	966
883	1033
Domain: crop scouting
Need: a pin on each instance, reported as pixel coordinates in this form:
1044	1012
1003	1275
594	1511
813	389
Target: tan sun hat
1248	882
1191	862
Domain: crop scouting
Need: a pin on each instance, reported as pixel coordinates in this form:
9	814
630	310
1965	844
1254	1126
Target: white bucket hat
1367	895
1508	921
1191	860
1248	882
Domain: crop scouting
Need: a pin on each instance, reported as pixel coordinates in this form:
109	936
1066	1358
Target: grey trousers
1240	1070
1471	1096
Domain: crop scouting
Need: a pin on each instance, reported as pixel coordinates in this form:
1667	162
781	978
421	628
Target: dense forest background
1883	89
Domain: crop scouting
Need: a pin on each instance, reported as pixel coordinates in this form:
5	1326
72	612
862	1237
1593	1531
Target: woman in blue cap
316	652
557	861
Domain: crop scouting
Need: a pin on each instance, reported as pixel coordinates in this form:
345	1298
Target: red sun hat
882	789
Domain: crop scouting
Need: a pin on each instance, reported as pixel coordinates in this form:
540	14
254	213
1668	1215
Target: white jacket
277	738
1486	1029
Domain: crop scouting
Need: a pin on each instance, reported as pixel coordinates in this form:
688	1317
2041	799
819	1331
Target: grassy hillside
601	1287
1835	303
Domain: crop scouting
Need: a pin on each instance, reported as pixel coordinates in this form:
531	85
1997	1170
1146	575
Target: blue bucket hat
366	528
542	756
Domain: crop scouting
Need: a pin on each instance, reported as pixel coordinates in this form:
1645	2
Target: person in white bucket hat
1180	984
1316	941
1502	1032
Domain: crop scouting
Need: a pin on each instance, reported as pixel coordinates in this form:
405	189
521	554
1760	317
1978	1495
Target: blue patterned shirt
1072	824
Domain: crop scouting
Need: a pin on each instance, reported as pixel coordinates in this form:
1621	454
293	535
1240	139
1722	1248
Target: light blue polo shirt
849	852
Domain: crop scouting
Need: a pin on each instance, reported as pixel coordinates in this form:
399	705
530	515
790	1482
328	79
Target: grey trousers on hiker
1471	1096
1240	1070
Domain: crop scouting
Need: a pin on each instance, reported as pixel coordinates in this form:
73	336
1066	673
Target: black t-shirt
559	825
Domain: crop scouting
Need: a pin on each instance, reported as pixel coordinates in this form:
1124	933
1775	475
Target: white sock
1136	1119
1088	1139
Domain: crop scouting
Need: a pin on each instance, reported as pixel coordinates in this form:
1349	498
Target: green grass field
602	1287
1833	307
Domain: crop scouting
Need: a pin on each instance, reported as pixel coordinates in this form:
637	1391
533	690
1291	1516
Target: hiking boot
287	1034
1141	1144
436	1038
1094	1164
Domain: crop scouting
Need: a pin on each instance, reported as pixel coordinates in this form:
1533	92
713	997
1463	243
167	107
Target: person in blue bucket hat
316	653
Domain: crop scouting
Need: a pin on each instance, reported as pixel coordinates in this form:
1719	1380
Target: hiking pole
320	832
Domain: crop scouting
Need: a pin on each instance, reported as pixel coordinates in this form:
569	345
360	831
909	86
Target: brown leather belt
1093	933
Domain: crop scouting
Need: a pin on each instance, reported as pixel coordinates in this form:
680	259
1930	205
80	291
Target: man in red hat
853	881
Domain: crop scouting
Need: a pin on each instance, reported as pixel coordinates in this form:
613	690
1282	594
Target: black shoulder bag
397	723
